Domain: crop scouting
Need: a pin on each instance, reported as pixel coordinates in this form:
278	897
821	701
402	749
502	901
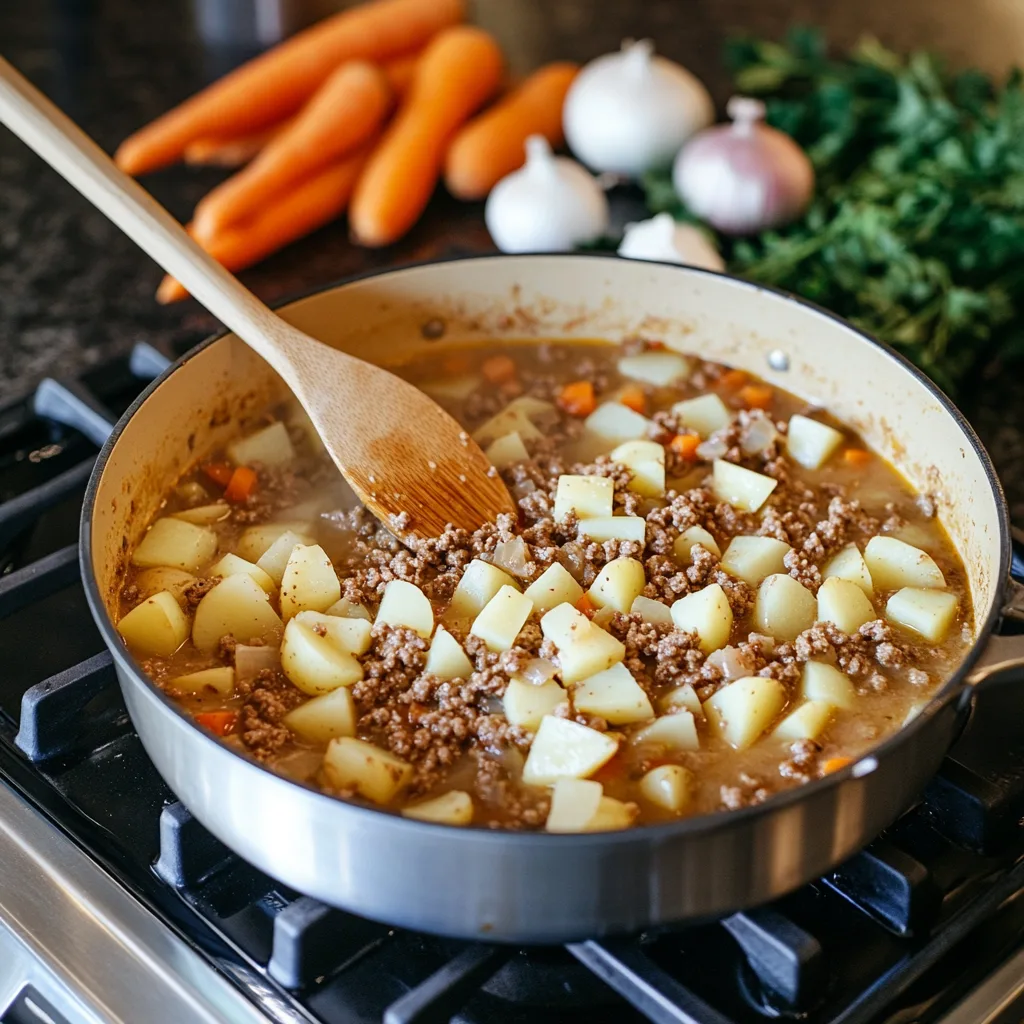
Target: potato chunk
783	608
844	603
684	543
651	611
506	450
613	695
618	584
675	731
479	583
646	461
238	607
554	586
347	609
404	604
741	711
352	635
232	565
669	786
894	564
511	419
705	612
178	544
209	680
452	808
152	581
256	540
564	749
274	560
446	659
925	611
309	582
849	564
662	369
272	446
373	773
602	528
156	626
611	423
587	496
324	718
823	683
499	622
705	414
574	803
612	815
584	649
811	443
526	705
742	488
752	558
808	722
684	697
313	663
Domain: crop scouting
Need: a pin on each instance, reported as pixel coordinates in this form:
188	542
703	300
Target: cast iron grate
883	932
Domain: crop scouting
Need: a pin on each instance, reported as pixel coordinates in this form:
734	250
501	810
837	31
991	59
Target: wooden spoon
400	451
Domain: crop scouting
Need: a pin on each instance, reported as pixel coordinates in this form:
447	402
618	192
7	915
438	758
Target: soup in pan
712	593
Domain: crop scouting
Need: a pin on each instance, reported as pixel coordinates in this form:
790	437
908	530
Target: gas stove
117	905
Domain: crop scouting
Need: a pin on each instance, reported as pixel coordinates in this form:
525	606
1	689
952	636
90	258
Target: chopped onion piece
538	671
734	663
758	435
574	560
511	555
250	661
713	448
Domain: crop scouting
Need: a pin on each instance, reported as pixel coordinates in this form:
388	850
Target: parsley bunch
916	230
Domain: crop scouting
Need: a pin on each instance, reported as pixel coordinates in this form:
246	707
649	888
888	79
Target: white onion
574	560
734	663
250	661
662	239
512	556
758	435
538	671
712	448
744	177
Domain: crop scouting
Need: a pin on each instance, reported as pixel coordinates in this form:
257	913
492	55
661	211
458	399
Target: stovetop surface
898	934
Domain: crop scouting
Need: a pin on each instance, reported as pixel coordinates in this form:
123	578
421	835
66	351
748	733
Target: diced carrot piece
733	379
456	363
241	484
498	369
220	723
577	398
634	398
218	472
757	396
834	764
856	456
685	446
585	606
655	346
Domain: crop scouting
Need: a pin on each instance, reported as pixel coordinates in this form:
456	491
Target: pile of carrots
364	112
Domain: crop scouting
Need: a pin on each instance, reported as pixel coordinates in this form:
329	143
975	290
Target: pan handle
1002	661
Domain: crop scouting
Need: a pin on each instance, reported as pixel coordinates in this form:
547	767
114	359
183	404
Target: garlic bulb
662	239
551	204
744	177
629	112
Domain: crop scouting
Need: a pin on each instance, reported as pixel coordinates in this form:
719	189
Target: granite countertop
74	291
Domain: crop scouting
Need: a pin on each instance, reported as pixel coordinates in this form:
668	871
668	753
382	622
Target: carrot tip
170	291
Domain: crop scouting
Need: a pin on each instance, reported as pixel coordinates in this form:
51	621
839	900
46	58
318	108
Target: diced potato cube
574	803
659	368
646	461
587	496
313	663
238	607
602	528
705	612
452	808
925	611
446	659
309	582
452	389
783	607
373	773
255	541
849	564
811	443
741	711
618	584
347	609
613	695
742	488
603	616
583	648
272	446
508	421
612	815
209	680
404	604
564	749
684	697
274	560
352	635
822	683
232	565
669	786
845	604
652	611
204	515
694	535
526	705
479	583
324	718
156	626
808	722
152	581
676	731
705	414
894	564
178	544
611	423
499	622
506	450
552	587
752	558
564	626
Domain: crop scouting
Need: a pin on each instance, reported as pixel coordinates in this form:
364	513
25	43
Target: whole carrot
400	72
277	83
492	145
458	72
233	152
343	113
303	209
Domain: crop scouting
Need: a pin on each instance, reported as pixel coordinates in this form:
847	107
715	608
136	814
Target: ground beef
192	593
802	763
270	698
747	791
803	570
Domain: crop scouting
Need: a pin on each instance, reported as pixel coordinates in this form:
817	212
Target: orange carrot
346	110
400	73
241	484
757	396
585	606
277	83
491	145
307	207
834	764
220	723
577	398
458	72
685	446
235	152
856	457
218	472
633	398
498	369
733	379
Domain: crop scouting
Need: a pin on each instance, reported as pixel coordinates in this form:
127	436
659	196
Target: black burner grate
886	932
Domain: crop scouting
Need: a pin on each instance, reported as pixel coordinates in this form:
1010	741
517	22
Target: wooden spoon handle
69	151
